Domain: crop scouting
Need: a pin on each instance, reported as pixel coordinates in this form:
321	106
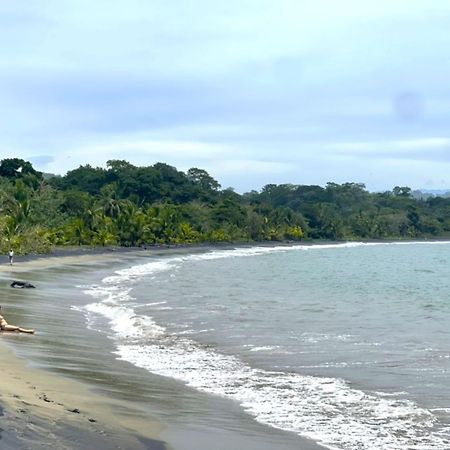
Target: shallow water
347	345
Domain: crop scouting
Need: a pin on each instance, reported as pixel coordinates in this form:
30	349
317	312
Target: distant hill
47	176
427	193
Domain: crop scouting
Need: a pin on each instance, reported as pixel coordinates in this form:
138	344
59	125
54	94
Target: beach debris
74	410
91	419
45	398
21	285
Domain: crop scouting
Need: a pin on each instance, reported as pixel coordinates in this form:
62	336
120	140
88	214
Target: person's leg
26	330
14	328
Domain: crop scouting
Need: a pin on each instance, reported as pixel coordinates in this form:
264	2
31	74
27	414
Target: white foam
125	323
391	394
320	337
151	304
326	410
190	332
265	348
123	320
139	271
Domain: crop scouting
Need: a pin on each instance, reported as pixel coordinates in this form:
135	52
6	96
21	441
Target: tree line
127	205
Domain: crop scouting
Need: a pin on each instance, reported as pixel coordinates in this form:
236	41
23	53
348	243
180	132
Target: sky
253	91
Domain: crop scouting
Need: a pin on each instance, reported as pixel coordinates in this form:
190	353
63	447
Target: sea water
347	345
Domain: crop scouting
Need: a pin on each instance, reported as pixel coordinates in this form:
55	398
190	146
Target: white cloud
413	148
246	167
139	152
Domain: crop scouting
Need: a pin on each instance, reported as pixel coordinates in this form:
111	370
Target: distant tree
402	191
202	178
75	202
84	178
118	166
16	168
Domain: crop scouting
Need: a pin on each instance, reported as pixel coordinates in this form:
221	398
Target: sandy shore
41	410
37	262
95	255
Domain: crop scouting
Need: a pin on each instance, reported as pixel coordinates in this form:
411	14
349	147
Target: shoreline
94	255
40	409
36	403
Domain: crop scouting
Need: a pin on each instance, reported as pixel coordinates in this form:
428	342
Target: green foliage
74	203
131	206
202	178
14	168
85	179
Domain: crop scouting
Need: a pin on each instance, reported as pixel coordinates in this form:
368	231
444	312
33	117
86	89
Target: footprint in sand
45	398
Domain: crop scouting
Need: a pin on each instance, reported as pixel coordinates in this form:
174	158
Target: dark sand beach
40	409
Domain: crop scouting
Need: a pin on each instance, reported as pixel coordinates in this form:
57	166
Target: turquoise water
347	345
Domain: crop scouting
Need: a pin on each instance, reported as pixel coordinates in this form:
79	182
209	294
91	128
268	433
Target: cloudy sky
254	91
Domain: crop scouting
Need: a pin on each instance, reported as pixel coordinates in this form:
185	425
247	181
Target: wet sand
39	262
41	410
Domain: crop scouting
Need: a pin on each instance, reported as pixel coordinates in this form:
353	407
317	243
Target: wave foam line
326	410
163	265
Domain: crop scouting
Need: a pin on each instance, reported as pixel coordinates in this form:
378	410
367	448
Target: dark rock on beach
21	285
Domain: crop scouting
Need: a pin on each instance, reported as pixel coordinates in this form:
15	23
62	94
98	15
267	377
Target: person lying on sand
5	327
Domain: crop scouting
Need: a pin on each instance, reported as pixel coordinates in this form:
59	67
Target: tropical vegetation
126	205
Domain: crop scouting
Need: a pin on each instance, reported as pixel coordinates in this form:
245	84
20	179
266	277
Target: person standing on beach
11	257
4	326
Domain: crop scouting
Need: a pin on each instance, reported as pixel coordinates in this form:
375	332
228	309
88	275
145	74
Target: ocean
339	346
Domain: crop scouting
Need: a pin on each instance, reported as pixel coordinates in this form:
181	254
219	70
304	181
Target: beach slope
40	410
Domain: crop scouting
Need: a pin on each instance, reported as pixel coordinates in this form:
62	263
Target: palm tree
110	201
77	231
130	225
